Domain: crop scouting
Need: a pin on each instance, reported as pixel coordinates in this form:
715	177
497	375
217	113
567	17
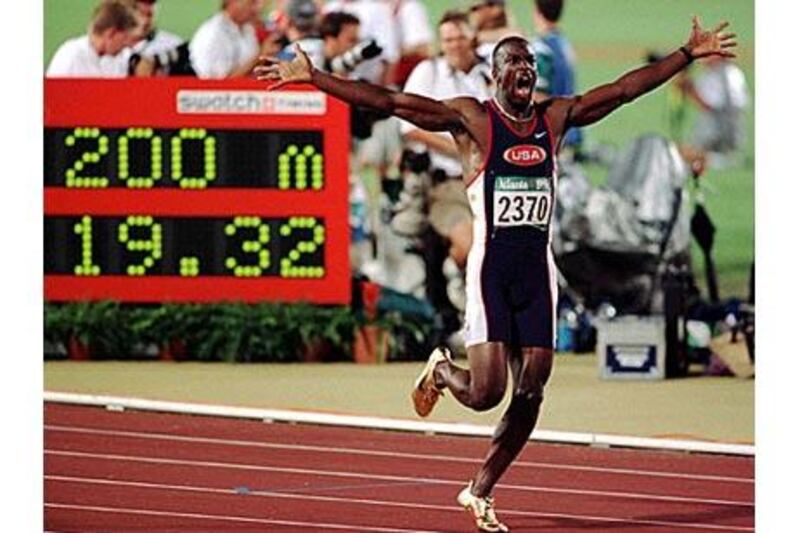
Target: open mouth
523	82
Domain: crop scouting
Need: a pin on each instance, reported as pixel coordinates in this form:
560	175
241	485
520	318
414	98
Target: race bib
522	201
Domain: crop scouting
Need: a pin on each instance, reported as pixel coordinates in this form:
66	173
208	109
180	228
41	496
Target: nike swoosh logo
539	135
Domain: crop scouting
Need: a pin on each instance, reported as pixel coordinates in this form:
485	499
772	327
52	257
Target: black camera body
173	62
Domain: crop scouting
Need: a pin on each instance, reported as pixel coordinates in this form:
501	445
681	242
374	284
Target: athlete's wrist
687	53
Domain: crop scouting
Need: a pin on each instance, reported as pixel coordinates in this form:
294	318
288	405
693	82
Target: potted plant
96	329
171	327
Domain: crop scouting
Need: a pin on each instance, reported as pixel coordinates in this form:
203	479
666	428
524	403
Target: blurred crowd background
655	204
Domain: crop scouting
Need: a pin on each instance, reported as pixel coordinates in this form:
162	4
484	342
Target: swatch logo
525	155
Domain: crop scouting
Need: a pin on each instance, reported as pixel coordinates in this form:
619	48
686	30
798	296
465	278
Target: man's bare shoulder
471	109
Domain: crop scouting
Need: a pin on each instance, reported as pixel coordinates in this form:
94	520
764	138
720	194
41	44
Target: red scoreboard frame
179	103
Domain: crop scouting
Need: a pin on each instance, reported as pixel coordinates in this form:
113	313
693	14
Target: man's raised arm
425	113
600	101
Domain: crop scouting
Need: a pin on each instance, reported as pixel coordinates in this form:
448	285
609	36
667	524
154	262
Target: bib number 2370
522	202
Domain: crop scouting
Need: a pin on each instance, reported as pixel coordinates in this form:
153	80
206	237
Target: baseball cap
303	13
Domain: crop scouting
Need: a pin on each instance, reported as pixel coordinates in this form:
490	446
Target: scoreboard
193	190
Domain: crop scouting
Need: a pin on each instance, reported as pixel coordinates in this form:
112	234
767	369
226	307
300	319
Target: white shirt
219	47
436	79
314	48
413	24
162	41
722	86
76	58
377	22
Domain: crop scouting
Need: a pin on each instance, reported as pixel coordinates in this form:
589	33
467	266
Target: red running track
147	471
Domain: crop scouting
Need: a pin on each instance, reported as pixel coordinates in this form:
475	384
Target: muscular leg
484	384
530	371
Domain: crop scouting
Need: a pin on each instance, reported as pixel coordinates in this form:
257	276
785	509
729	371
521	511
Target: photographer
226	45
163	52
105	49
301	28
342	50
342	53
376	22
458	71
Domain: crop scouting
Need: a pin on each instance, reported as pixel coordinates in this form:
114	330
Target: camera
349	60
174	62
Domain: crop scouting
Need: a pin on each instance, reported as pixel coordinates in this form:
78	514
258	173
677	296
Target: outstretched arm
425	113
600	101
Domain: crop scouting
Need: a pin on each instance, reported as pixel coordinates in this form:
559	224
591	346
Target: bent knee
532	393
486	400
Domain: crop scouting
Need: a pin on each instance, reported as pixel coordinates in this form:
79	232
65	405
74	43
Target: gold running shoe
426	393
481	510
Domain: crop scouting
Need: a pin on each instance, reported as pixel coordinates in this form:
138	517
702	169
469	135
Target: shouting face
514	71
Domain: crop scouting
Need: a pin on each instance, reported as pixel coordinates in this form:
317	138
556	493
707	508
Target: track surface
123	471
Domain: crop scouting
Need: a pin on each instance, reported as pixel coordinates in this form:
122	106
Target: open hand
703	43
297	70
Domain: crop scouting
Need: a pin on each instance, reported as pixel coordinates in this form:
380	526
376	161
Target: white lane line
373	422
383	503
226	518
382	477
376	453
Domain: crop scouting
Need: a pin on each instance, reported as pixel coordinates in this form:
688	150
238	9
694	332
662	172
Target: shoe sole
418	383
464	497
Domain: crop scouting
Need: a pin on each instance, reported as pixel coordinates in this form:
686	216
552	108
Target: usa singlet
511	276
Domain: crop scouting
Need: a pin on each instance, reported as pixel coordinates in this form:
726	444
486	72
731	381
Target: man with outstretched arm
508	148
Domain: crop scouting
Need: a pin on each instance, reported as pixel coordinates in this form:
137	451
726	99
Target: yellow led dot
292	150
294	255
285	230
70	141
148	262
308	150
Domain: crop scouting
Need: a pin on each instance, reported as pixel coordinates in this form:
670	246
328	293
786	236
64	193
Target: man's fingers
263	70
721	26
728	44
727	36
696	22
268	60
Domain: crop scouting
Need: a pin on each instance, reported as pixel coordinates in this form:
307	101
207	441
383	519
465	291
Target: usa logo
525	155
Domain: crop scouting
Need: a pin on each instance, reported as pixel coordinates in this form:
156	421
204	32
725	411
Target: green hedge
234	332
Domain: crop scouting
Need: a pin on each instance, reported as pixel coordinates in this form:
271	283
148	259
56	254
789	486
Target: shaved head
501	44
